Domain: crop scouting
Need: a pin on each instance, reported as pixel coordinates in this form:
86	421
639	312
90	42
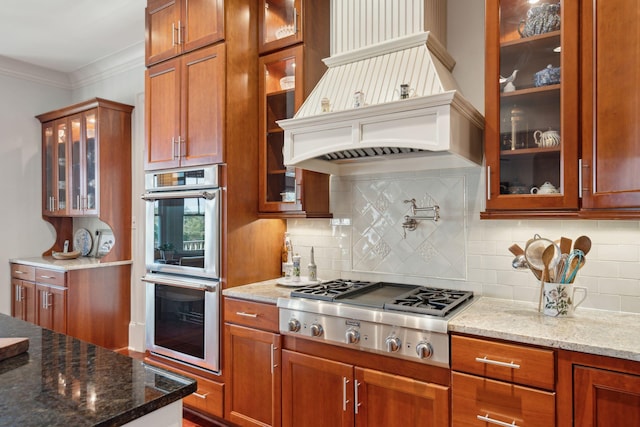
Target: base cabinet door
383	399
253	394
24	300
481	402
604	398
52	307
321	392
316	392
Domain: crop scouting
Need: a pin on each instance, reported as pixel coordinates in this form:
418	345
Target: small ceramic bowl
548	76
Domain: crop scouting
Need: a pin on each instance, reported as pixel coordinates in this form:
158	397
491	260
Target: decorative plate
66	255
304	281
82	241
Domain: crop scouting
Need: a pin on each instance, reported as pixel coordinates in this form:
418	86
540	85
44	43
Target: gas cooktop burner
434	301
387	296
328	291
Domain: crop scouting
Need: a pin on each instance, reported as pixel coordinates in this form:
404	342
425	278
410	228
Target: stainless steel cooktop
399	320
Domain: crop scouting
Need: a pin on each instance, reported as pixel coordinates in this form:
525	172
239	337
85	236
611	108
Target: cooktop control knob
393	344
294	325
352	336
316	330
424	350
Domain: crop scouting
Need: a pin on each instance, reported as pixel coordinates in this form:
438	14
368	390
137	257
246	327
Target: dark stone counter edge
154	405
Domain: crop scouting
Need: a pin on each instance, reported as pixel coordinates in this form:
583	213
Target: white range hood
435	128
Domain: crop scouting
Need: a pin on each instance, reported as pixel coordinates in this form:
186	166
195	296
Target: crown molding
33	73
129	58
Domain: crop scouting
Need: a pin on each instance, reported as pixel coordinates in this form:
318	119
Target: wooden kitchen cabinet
495	382
91	304
320	392
597	391
594	165
286	78
531	125
86	166
174	27
83	160
252	353
23	292
283	23
51	307
610	106
185	110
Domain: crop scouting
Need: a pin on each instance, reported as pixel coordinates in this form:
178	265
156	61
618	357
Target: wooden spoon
565	245
547	256
583	243
516	249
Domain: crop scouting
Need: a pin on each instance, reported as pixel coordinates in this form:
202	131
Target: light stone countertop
268	291
79	263
601	332
607	333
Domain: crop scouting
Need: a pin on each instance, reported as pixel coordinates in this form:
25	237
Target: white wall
22	230
611	274
29	91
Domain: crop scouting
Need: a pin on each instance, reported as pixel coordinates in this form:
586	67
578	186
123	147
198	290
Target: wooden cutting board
10	347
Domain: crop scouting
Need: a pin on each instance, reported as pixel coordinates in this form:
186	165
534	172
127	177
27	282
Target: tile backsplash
365	240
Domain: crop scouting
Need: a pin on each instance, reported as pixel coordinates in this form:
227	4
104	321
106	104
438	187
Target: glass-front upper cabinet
280	24
55	137
531	106
83	197
280	98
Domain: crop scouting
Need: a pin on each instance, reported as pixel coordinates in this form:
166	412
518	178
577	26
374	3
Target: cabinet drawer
207	398
510	362
23	272
253	314
480	402
50	277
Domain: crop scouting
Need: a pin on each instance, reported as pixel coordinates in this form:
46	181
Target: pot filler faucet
431	213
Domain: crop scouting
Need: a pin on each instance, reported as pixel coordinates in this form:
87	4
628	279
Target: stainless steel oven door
182	319
183	232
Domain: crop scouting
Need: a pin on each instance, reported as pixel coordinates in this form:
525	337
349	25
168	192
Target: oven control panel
392	340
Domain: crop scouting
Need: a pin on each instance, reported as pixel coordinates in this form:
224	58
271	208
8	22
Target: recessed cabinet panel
531	106
610	104
174	27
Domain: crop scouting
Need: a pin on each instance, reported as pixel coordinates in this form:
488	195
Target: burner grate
328	291
433	301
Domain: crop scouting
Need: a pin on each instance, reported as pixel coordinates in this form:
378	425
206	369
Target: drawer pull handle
244	314
200	396
47	277
19	272
497	363
488	419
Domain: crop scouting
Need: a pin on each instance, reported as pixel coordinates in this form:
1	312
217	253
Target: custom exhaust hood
432	127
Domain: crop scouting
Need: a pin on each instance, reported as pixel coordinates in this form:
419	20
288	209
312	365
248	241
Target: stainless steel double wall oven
182	255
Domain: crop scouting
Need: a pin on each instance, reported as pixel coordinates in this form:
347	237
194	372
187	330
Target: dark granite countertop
62	381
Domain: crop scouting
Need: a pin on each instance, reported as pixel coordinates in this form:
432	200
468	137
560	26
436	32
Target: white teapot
547	139
546	188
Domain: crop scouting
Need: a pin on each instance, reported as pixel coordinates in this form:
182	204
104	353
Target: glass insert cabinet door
55	160
281	97
280	24
83	196
531	132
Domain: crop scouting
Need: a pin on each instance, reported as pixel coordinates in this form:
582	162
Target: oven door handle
191	284
203	194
